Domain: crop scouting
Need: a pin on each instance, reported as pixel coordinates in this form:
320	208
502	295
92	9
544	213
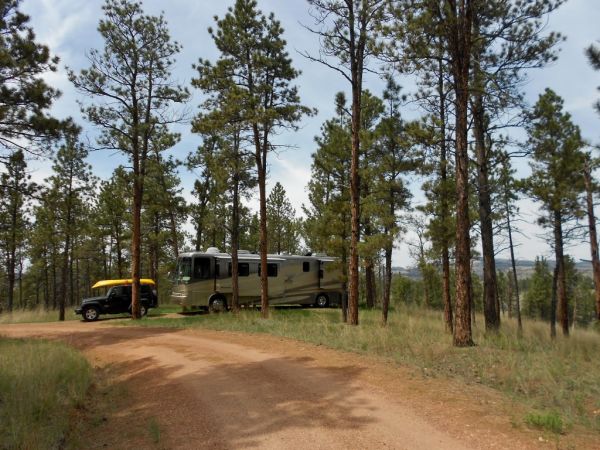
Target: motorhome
202	280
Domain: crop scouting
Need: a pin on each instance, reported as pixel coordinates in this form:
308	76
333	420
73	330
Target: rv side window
271	270
243	269
202	268
306	266
184	269
217	270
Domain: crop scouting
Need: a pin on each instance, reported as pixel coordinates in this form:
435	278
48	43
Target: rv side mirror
320	273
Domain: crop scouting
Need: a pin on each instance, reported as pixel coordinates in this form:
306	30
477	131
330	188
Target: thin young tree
254	59
508	196
348	31
131	98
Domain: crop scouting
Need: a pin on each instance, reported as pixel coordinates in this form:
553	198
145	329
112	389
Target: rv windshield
184	270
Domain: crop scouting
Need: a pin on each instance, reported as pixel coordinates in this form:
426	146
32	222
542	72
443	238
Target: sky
69	28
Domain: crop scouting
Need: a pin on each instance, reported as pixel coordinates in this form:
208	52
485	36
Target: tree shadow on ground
203	401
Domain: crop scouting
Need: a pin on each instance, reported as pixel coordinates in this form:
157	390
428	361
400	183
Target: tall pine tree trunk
136	236
461	22
261	163
12	253
561	288
490	301
593	234
356	70
387	286
235	243
444	208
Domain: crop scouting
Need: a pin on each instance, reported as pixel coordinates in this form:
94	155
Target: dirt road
206	389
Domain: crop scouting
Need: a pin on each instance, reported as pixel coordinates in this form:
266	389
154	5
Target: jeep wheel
322	301
218	305
90	314
143	310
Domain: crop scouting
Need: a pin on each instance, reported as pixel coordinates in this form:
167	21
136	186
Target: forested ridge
469	60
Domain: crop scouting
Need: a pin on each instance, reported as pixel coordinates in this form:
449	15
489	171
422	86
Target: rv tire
218	304
321	301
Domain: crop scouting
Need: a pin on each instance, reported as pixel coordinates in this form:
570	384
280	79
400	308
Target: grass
550	421
154	429
41	386
545	375
38	315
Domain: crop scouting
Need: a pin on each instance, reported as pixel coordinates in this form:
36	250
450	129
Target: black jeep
117	301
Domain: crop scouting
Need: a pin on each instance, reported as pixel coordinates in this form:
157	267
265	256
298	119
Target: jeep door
119	299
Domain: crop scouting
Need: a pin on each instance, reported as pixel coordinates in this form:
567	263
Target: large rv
202	280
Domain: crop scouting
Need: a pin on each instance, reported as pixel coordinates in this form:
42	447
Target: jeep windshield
183	273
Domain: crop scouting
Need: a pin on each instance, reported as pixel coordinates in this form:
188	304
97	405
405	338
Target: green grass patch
41	385
154	429
549	421
541	373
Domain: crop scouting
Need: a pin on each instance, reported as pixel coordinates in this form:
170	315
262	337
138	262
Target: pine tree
349	32
556	179
593	54
253	57
16	190
537	296
111	217
327	225
590	188
394	156
71	182
281	222
130	83
24	95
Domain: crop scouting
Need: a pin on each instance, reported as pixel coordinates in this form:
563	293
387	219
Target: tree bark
491	313
136	241
444	208
387	286
593	234
67	250
235	243
553	303
561	291
461	22
370	282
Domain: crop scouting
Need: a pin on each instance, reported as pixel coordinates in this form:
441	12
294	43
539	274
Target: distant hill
524	268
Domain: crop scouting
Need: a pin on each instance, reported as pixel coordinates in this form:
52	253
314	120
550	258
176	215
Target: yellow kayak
109	283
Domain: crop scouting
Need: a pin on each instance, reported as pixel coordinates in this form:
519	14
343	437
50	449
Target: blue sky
68	27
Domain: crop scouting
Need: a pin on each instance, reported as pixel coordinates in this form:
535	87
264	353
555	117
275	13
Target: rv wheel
218	305
322	301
